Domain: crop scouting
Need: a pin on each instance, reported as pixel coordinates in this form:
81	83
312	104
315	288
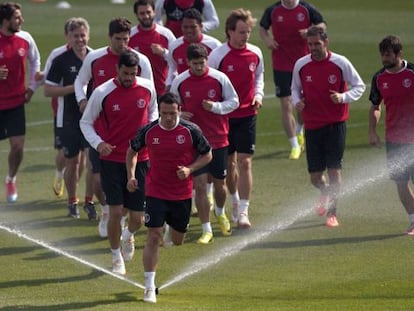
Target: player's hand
336	97
28	95
132	185
185	115
257	104
183	172
300	105
207	104
157	49
82	105
105	149
4	72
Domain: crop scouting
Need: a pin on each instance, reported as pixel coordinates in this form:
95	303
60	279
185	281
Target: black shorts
283	80
12	122
72	140
114	181
242	135
218	165
174	213
325	147
57	133
400	161
95	161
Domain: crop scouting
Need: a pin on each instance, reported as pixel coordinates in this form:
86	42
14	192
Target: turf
288	261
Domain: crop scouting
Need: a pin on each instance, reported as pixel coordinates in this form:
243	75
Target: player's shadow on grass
279	154
117	300
322	242
37	168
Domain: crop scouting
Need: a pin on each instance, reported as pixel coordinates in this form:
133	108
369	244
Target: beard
146	23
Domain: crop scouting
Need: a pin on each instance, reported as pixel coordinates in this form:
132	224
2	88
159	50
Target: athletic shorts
95	161
242	135
57	133
174	213
218	165
12	122
325	147
400	161
72	140
283	80
114	180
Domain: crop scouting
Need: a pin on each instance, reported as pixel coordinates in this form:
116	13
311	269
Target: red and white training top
15	51
313	80
121	112
245	68
212	85
177	56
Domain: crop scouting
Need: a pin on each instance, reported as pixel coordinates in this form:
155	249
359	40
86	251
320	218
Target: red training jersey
285	24
169	149
141	41
397	92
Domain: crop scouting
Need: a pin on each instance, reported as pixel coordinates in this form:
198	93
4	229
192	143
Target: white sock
235	198
218	210
59	174
105	209
10	179
209	188
207	227
412	218
299	128
126	235
294	142
244	207
149	279
116	252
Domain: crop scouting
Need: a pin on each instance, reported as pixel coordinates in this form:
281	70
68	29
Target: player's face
145	15
390	60
239	36
119	42
197	66
169	114
318	47
126	75
78	38
191	29
15	22
290	4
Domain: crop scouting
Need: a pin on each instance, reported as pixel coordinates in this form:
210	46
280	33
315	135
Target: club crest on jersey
177	14
332	79
180	61
141	103
230	68
180	139
252	67
407	83
308	78
279	19
187	94
211	94
21	52
300	17
101	73
385	85
116	107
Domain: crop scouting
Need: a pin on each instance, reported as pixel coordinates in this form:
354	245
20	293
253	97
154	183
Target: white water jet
68	255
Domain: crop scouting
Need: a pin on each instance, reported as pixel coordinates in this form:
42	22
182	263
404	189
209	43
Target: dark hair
196	50
169	98
7	10
143	2
193	14
390	42
128	59
317	31
118	25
